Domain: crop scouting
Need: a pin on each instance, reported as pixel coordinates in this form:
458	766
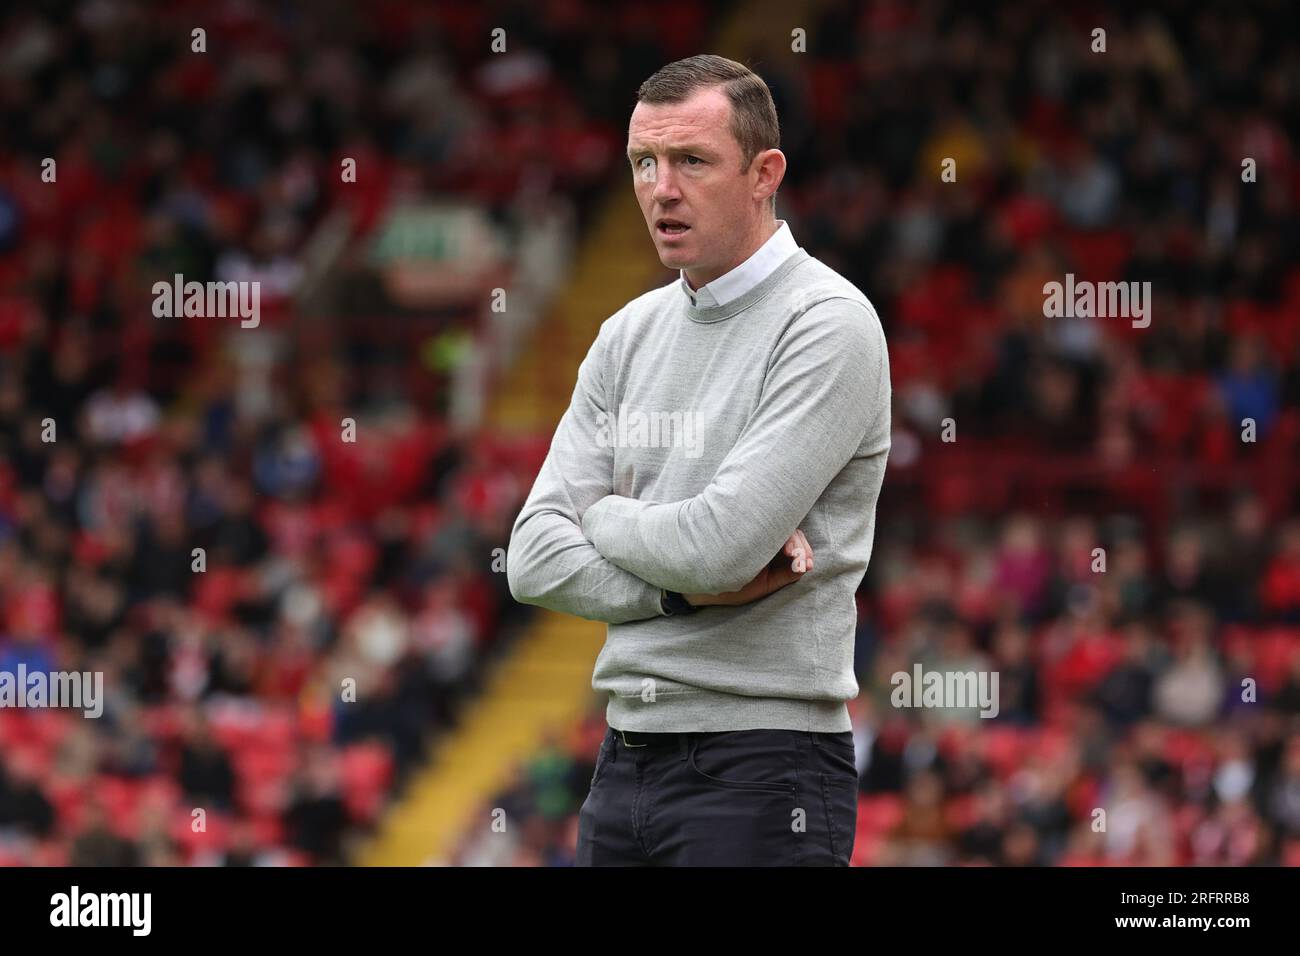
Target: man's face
686	168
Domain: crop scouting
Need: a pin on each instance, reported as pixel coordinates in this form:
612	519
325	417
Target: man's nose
665	188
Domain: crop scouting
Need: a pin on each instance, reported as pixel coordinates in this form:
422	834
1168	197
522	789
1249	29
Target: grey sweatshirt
696	442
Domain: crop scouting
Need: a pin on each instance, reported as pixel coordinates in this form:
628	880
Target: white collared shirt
751	272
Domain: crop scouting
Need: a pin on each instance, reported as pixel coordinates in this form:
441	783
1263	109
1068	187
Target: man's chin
675	259
675	255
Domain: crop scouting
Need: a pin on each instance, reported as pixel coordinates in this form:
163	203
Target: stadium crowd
326	562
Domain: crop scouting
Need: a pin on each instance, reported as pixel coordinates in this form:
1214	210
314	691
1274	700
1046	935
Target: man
723	429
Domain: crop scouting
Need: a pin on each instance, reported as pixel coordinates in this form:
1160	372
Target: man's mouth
670	227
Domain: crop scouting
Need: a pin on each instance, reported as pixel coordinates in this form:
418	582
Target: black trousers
734	798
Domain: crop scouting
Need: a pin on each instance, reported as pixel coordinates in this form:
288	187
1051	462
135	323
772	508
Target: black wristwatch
674	604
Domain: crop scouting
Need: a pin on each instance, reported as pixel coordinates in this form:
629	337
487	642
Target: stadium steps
539	692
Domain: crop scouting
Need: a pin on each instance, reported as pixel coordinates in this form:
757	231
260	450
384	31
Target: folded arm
550	562
826	388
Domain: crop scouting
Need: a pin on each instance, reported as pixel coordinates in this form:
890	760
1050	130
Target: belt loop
684	741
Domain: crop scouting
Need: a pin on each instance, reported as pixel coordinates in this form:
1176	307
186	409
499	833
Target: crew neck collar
742	302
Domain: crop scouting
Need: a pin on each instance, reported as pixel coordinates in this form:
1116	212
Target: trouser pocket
745	760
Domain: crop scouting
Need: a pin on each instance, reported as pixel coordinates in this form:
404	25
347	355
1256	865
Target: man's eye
696	158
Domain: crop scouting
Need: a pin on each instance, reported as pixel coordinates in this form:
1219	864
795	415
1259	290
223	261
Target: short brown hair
753	114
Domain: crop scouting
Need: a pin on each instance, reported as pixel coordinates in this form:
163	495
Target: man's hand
794	560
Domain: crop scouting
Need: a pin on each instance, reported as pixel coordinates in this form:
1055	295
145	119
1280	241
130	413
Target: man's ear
770	168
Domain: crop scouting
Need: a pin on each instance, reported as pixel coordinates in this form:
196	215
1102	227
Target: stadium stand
328	562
